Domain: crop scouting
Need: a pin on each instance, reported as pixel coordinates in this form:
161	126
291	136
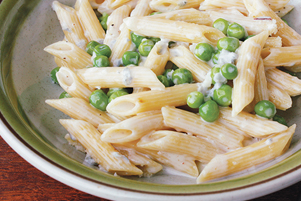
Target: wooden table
21	181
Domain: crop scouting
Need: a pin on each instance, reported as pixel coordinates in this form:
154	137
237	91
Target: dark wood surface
21	181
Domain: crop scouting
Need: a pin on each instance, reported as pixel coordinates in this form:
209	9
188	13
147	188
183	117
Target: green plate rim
20	125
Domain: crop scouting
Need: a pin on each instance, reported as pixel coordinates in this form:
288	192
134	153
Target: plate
31	127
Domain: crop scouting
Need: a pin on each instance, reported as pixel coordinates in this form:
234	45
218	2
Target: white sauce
226	57
127	76
120	156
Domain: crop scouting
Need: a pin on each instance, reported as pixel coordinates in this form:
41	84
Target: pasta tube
147	165
80	109
190	15
179	143
180	162
120	77
158	58
251	124
150	100
114	21
71	83
184	58
189	122
247	63
134	128
70	24
89	21
246	157
173	30
102	152
142	8
169	5
291	84
279	97
282	56
70	53
259	8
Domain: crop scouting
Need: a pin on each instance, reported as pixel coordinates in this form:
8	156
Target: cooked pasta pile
153	83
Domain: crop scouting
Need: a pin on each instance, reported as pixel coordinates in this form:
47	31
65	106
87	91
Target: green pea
130	57
117	94
279	119
265	109
145	47
209	111
250	36
204	51
229	71
182	76
236	30
91	46
154	39
102	49
136	39
223	95
195	99
53	75
113	90
228	43
168	74
221	24
65	95
99	99
101	61
214	71
155	13
164	80
215	57
103	20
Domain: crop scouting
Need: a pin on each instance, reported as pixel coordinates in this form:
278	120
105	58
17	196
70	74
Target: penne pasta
247	63
147	165
123	44
189	122
282	56
102	152
260	89
158	58
170	5
150	100
142	8
173	30
179	143
273	42
259	8
279	97
190	15
120	77
114	21
180	162
72	84
134	128
79	109
70	53
70	24
90	23
252	125
291	84
184	58
247	157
